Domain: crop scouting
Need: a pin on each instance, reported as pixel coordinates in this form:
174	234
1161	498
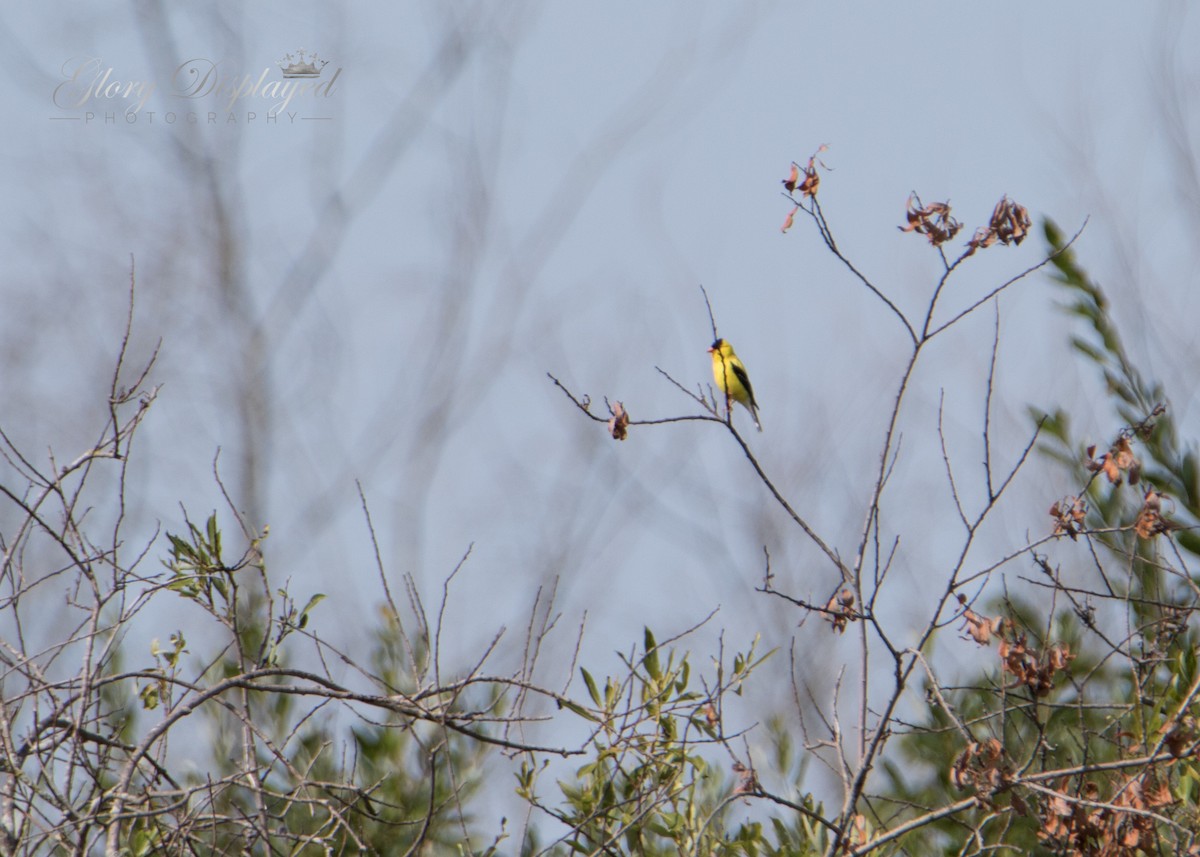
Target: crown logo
297	66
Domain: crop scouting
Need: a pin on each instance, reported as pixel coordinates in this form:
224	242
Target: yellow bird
730	375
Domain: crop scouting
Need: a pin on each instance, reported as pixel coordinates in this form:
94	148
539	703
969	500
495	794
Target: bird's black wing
740	372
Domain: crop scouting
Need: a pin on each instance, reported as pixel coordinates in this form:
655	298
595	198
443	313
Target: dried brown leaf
933	221
1180	735
793	178
618	425
981	767
811	181
1157	794
747	780
981	629
1010	224
1150	522
1069	515
841	610
1119	459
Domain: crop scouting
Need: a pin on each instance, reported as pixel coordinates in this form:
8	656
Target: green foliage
1126	693
199	571
403	782
661	776
1169	465
1166	464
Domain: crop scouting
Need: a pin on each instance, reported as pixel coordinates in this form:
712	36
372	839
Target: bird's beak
710	351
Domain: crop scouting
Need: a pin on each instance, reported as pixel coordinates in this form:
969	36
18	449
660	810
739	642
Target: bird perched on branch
730	375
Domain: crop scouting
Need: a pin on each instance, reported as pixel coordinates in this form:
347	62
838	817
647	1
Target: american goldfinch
730	375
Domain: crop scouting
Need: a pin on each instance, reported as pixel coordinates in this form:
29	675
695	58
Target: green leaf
312	602
1189	540
684	673
580	710
214	534
650	661
1189	475
593	691
149	696
1087	349
656	827
185	586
